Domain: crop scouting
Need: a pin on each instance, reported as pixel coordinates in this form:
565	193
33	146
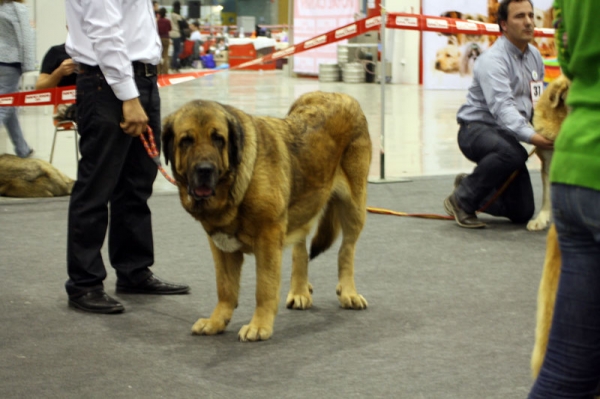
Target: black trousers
114	170
497	154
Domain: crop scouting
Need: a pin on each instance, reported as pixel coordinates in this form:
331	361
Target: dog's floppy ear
235	139
168	138
555	96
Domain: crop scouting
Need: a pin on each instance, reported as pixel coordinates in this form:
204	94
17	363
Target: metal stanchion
382	80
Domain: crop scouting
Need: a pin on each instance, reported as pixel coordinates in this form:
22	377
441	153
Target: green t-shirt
576	159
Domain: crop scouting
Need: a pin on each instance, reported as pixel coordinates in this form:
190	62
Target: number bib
537	88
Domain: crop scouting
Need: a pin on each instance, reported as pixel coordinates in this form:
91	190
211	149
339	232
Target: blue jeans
571	367
176	50
497	155
9	83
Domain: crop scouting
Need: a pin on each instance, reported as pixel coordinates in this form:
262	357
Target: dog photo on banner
448	59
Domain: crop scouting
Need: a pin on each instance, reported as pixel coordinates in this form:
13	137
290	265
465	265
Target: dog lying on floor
257	184
30	177
550	112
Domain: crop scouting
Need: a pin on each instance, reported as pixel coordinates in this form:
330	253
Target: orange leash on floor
382	211
502	189
154	154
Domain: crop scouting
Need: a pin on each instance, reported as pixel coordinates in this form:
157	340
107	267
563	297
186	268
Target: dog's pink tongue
202	191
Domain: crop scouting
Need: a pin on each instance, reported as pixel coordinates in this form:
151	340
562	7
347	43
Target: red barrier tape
58	95
416	22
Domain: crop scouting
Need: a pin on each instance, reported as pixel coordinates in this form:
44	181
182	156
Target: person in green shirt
571	367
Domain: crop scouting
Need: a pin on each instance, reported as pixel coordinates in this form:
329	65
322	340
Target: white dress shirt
111	34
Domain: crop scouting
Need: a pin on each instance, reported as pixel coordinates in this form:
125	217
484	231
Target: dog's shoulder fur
30	177
551	109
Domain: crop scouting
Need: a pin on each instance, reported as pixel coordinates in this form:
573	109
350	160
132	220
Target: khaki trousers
163	67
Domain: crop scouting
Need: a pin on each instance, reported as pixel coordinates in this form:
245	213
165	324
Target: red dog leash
154	154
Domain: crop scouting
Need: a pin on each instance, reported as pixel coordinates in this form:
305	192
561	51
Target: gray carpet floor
451	313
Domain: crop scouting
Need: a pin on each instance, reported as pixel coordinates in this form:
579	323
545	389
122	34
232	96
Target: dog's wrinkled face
202	140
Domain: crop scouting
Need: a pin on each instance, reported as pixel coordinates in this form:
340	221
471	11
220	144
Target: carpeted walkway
451	313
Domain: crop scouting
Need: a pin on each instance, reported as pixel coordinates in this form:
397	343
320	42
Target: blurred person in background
176	34
164	27
16	56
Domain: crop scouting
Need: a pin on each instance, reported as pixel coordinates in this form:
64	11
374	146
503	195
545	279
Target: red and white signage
65	95
312	18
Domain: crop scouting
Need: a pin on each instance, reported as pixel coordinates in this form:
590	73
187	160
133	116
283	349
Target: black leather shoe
152	286
459	177
96	302
464	219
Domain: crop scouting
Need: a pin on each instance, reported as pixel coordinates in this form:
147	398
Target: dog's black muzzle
203	180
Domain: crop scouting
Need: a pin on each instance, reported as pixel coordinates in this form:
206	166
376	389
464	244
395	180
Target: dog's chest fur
226	242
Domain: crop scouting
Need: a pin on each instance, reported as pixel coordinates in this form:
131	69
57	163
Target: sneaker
463	219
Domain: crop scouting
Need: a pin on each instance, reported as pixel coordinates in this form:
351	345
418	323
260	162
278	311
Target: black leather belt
139	69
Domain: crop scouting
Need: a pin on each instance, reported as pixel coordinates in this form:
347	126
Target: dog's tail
327	232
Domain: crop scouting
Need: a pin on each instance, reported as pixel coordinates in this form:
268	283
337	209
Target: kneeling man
507	80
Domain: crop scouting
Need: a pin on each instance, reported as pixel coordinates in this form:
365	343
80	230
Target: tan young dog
257	184
550	112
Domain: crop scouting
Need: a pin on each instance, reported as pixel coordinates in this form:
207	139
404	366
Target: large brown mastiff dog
259	183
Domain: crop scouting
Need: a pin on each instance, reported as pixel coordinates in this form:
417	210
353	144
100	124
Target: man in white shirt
116	46
195	28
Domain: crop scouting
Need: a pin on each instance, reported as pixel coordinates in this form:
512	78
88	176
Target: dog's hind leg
546	299
228	268
61	183
26	189
351	210
299	296
542	220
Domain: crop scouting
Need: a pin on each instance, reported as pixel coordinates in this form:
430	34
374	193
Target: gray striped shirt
500	93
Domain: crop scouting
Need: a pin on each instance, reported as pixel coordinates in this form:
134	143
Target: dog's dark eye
217	139
186	141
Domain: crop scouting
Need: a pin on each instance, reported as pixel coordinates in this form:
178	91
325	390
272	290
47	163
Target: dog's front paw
251	332
540	222
300	300
350	299
208	327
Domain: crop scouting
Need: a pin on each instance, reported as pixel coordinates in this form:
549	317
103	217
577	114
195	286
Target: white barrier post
382	79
